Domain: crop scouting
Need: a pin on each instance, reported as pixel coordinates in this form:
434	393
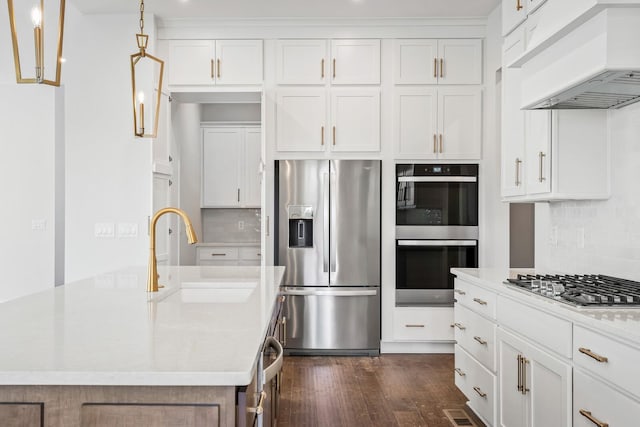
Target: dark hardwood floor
390	390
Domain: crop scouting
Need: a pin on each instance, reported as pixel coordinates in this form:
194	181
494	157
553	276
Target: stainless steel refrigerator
328	238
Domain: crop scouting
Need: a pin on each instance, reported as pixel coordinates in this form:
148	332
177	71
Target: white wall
108	170
611	227
494	215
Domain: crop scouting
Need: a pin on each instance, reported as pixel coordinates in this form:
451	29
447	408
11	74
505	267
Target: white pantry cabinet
215	62
304	123
230	167
535	386
307	62
438	123
430	61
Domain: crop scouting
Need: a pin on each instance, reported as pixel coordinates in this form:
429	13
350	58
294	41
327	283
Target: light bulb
141	97
36	17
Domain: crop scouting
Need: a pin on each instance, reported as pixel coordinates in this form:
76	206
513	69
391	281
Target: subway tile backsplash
231	225
611	227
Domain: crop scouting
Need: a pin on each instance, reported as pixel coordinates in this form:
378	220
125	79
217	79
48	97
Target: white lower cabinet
422	324
478	384
535	385
597	404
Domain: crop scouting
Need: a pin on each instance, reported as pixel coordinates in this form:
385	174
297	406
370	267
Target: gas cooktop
582	290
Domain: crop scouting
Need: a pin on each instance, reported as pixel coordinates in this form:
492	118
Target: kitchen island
103	350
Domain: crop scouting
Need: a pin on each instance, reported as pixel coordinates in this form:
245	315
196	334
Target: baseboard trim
391	347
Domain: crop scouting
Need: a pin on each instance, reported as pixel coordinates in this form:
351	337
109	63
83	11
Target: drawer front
550	331
595	402
477	299
217	253
423	324
607	358
250	253
477	383
476	335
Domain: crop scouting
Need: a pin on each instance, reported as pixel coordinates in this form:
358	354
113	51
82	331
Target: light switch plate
127	230
38	224
104	230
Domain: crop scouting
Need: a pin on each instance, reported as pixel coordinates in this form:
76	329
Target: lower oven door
423	274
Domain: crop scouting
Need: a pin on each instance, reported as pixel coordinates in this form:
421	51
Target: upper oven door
437	200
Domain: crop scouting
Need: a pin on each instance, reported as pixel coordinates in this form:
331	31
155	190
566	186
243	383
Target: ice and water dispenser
300	226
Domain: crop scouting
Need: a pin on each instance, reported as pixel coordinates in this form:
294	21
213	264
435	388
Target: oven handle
437	179
437	243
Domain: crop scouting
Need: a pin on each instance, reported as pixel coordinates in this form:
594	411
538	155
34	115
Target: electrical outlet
104	230
580	238
240	225
38	224
127	230
553	236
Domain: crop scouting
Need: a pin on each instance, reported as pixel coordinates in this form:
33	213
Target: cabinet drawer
550	331
422	324
476	335
591	398
217	253
477	383
621	364
477	299
252	253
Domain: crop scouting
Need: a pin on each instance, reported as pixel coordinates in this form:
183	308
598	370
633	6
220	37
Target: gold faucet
152	278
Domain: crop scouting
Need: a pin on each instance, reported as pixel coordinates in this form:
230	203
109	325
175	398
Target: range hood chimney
595	66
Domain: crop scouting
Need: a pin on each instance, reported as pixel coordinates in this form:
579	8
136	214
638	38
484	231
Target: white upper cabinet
446	61
354	117
302	62
355	62
221	62
514	12
537	127
442	123
230	167
513	149
355	120
301	120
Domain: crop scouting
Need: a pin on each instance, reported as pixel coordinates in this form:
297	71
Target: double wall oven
436	229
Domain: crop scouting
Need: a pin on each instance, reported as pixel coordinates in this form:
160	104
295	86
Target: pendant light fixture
145	62
37	14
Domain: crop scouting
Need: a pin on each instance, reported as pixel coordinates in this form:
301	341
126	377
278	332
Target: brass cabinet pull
414	326
458	291
334	135
435	68
435	143
479	301
283	298
219	67
322	135
518	5
283	322
519	358
592	355
334	68
322	69
480	340
260	408
480	392
459	326
518	163
524	361
213	73
441	68
541	155
459	372
440	143
593	419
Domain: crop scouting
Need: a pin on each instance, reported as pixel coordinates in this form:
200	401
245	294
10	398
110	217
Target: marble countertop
622	323
108	330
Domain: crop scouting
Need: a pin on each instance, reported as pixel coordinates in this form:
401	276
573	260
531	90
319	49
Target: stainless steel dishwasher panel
332	321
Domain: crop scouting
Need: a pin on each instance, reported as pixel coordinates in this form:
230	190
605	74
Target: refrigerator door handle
325	226
332	238
330	292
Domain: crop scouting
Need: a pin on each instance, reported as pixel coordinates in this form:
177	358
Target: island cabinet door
184	415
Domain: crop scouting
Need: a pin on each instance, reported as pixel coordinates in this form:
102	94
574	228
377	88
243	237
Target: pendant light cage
39	38
142	60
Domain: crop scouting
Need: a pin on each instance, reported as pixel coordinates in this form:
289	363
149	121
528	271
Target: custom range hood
595	65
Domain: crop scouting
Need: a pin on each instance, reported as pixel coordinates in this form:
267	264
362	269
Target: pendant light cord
141	16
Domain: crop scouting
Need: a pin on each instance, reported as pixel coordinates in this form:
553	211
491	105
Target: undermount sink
216	291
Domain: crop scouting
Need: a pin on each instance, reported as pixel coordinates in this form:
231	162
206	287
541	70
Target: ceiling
170	9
